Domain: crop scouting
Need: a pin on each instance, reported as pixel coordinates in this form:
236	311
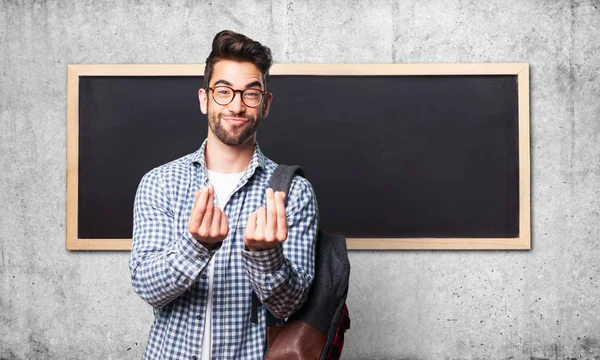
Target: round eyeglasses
223	95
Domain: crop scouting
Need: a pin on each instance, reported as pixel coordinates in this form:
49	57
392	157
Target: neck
227	159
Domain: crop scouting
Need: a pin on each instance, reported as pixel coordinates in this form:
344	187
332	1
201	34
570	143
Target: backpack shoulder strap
282	177
281	180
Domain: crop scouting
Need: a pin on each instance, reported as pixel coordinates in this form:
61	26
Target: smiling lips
235	121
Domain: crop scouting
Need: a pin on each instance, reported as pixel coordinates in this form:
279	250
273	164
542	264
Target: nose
236	105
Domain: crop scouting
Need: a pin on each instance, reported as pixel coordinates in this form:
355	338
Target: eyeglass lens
223	95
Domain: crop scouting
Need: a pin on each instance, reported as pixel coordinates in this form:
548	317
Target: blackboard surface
127	126
388	156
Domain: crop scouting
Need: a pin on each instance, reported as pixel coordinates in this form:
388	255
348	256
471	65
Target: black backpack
315	331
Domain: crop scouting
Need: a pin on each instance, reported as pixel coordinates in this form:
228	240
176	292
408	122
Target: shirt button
198	317
194	357
203	276
202	257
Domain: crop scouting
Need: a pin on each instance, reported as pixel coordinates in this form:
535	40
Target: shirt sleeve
163	264
281	276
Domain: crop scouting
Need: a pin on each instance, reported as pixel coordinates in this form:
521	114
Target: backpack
316	330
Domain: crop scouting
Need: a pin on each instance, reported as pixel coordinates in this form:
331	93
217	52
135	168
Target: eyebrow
254	84
248	86
222	82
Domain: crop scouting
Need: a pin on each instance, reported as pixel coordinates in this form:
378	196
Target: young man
207	231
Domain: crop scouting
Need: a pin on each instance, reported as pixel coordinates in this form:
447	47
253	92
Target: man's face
234	124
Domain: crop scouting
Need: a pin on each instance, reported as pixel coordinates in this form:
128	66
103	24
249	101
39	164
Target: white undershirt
224	185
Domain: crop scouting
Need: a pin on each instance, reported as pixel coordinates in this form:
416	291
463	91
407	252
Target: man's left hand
267	228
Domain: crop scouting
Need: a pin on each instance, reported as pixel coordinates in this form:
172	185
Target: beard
238	134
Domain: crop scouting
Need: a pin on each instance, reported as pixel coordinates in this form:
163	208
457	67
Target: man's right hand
208	224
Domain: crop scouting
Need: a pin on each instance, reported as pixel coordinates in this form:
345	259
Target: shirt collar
257	160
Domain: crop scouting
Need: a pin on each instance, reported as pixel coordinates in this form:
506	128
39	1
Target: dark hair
229	45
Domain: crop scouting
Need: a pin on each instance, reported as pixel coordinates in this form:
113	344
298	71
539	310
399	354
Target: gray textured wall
540	304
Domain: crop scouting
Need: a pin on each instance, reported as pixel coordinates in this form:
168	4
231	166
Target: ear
267	105
203	98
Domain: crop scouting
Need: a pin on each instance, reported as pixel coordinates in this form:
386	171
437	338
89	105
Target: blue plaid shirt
169	269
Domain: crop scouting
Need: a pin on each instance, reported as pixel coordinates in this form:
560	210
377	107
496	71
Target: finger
282	228
200	205
250	226
224	229
208	214
271	221
211	194
215	225
196	195
197	211
261	219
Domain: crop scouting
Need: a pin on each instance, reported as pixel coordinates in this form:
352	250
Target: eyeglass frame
263	93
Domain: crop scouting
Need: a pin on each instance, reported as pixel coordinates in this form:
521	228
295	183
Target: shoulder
302	199
301	185
170	172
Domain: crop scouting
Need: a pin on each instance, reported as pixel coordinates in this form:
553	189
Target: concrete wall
540	304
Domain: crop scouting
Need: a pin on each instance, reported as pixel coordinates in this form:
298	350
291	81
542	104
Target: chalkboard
400	156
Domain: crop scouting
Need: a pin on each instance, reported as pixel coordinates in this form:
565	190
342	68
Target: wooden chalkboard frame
521	70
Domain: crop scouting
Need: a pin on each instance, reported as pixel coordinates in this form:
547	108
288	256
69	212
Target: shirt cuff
265	261
196	256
